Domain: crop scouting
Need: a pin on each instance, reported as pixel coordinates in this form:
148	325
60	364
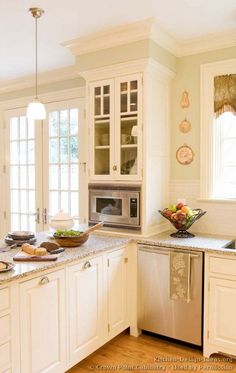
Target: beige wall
188	78
47	88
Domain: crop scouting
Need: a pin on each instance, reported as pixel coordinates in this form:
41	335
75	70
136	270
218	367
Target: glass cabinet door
102	116
129	117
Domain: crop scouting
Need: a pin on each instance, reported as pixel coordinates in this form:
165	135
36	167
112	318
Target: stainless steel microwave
115	205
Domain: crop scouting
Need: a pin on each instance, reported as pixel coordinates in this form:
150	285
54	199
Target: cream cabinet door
85	311
222	304
42	324
117	281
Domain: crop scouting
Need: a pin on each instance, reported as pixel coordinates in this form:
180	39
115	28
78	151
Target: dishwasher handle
167	251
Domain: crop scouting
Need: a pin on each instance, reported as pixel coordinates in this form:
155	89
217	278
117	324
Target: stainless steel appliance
157	312
115	205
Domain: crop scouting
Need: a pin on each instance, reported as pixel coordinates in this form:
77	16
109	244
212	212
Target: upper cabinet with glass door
102	108
128	124
115	123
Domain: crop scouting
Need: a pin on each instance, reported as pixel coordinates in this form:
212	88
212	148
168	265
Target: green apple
172	208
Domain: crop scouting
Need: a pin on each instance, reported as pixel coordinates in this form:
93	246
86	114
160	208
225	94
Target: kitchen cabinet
220	303
64	315
43	324
85	311
117	292
115	128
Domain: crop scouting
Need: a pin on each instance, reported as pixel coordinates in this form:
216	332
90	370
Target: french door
43	165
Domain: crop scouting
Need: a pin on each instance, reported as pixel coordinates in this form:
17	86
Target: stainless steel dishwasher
157	312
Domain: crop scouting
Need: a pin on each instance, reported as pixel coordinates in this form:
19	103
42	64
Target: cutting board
21	256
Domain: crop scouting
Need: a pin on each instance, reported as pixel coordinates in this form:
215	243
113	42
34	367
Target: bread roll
3	265
40	251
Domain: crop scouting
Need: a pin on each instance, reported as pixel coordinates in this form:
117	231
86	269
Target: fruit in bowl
181	217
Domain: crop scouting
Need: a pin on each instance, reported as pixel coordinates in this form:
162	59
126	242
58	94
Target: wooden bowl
71	241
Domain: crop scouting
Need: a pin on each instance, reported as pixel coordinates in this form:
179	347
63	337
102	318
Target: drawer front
4	299
222	265
5	356
5	329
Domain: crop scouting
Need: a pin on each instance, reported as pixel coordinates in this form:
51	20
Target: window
224	156
218	131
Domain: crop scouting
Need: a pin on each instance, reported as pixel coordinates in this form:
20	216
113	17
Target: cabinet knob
44	280
114	167
87	265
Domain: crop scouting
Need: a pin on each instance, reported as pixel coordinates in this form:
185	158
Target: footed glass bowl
183	226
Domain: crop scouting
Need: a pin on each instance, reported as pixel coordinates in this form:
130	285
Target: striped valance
224	94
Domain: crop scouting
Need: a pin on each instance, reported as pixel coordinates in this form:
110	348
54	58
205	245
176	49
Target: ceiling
68	19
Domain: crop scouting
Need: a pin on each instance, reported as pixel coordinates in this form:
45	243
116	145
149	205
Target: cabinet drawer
4	299
5	356
4	328
222	265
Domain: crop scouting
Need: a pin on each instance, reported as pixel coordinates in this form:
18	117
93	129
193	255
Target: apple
179	206
172	208
167	213
181	216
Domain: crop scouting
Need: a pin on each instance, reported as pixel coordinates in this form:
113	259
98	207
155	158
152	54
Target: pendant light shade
36	109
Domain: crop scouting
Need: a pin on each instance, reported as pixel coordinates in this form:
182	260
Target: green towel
179	281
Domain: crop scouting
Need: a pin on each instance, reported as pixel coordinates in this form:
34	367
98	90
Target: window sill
217	200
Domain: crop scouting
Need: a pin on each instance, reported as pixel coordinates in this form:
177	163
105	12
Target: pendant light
36	110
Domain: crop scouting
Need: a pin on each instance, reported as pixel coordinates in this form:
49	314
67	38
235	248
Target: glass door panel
128	118
102	128
42	161
22	174
63	161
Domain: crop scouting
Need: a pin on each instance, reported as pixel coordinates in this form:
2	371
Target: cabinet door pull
44	280
87	265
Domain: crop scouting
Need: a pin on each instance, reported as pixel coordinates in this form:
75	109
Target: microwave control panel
133	207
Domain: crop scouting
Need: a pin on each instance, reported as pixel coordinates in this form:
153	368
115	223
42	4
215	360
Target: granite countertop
203	242
96	244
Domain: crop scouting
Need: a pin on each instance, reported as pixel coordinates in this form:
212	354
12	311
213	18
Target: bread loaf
33	250
29	249
50	246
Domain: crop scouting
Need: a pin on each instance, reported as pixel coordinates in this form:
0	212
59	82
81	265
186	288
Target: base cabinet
220	305
222	321
117	282
43	324
62	316
85	311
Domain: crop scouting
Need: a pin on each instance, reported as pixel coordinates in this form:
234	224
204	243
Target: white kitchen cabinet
43	324
117	292
220	304
115	128
85	310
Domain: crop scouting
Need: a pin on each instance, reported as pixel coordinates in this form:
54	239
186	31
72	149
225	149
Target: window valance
224	94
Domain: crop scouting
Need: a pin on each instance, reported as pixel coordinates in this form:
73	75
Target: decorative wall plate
184	154
185	100
185	126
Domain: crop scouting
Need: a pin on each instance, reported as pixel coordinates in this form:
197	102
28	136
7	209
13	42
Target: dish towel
179	281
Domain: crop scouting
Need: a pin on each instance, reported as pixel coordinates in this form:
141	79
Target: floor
150	354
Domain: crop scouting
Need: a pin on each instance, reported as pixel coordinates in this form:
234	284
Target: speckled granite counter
96	244
203	242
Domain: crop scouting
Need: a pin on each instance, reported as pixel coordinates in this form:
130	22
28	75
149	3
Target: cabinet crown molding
148	65
149	29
